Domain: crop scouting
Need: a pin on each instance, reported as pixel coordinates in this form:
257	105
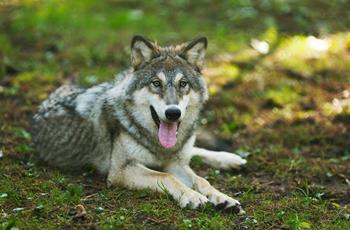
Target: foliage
279	77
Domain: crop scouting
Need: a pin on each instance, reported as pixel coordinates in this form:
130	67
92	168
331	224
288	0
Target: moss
287	111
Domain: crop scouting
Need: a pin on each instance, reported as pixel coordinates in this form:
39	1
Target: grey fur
118	126
76	126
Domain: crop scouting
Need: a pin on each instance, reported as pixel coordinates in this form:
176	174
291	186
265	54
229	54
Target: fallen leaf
3	195
99	209
347	216
39	207
347	181
80	211
17	209
336	205
305	225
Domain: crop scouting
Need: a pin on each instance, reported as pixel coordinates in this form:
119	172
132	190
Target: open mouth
155	116
166	130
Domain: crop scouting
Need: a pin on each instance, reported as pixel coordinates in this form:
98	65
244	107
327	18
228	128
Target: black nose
173	114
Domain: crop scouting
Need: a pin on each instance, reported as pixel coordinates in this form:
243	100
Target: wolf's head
168	91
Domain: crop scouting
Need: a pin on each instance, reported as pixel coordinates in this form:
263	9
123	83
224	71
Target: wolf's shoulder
65	95
65	91
74	99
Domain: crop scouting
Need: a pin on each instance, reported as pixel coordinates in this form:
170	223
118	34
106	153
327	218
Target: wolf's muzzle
155	116
173	114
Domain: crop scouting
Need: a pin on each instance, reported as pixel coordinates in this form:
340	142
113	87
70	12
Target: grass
287	111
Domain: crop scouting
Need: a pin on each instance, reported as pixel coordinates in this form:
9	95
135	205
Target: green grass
287	111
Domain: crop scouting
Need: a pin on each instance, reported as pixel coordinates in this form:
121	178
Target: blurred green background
279	82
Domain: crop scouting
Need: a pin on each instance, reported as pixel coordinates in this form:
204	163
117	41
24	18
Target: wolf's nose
173	114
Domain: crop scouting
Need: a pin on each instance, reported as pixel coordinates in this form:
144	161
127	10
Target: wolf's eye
156	83
183	84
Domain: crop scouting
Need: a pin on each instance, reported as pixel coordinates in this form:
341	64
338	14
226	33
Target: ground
279	82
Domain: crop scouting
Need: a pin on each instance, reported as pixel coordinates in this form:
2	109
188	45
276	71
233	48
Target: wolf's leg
222	160
221	200
138	176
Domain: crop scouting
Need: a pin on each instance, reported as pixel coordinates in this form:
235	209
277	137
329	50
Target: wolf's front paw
230	161
226	203
192	199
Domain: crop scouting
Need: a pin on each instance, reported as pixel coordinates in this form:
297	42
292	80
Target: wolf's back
62	137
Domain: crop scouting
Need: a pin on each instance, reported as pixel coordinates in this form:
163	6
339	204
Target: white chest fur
127	148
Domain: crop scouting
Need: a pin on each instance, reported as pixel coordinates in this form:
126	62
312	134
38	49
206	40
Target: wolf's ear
142	51
194	52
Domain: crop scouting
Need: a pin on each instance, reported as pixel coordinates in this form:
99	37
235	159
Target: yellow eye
156	83
183	84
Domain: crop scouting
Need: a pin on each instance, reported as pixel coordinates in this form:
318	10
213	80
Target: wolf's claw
221	206
237	209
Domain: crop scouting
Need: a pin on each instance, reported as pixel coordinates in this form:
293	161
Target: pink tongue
167	134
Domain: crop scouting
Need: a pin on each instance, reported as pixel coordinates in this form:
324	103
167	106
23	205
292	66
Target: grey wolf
144	119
